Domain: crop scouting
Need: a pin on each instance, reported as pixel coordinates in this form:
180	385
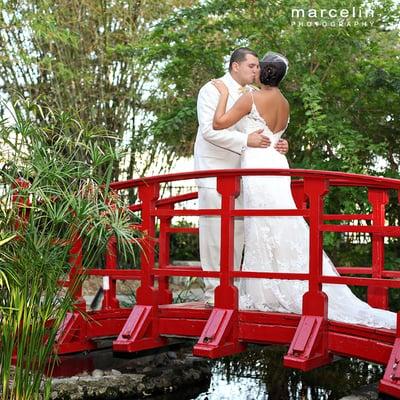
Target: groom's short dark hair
240	54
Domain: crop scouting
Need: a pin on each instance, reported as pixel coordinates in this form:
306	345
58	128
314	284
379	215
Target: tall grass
68	167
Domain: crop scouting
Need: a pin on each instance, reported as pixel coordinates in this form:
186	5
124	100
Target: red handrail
152	207
335	178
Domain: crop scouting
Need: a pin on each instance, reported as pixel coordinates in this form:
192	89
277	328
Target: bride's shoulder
279	96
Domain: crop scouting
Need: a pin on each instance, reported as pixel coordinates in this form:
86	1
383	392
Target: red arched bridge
225	329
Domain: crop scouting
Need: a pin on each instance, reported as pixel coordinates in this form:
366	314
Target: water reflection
258	374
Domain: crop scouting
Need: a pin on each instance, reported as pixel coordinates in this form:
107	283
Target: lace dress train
281	244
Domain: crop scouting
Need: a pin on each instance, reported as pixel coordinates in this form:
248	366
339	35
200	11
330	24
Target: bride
280	244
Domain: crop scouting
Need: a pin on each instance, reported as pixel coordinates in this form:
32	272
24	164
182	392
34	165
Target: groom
221	149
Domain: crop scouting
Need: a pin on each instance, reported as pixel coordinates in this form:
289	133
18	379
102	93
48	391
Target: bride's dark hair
273	68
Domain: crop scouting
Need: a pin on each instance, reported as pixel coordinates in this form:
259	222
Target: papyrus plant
65	192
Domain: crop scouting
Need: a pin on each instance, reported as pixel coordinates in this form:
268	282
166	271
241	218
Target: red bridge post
164	241
75	274
378	296
111	263
297	188
22	202
140	331
72	335
220	335
309	347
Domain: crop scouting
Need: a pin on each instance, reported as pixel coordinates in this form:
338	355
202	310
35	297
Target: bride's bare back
272	107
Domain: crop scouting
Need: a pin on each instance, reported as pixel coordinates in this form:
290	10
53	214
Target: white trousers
210	238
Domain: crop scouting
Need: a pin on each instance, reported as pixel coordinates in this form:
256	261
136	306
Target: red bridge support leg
219	337
308	349
140	331
390	383
72	335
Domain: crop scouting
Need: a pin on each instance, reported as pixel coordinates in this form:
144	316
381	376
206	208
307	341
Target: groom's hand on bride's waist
257	139
282	146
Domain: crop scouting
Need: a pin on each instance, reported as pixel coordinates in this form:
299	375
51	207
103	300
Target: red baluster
22	202
299	197
146	293
315	300
141	329
378	296
220	336
226	294
110	284
75	274
165	295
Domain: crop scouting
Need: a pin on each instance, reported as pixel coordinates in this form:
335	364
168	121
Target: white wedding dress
280	244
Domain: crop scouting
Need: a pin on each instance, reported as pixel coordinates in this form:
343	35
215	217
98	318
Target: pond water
258	374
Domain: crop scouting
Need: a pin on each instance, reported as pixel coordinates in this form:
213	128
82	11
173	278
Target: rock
154	372
161	373
97	373
172	355
115	372
192	361
161	360
141	387
178	365
144	360
195	375
83	373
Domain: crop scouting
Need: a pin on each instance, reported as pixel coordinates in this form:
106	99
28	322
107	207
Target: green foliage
184	247
32	300
135	68
84	58
64	194
342	83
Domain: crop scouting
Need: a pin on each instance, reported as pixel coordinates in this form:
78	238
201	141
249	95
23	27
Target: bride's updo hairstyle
273	68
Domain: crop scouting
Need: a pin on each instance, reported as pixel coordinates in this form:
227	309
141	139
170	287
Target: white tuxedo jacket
217	149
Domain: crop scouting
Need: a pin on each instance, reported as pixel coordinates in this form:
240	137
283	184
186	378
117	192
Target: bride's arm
223	119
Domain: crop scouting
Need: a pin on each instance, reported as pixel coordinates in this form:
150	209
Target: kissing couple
241	126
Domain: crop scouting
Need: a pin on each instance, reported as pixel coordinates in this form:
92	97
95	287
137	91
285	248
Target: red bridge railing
225	329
